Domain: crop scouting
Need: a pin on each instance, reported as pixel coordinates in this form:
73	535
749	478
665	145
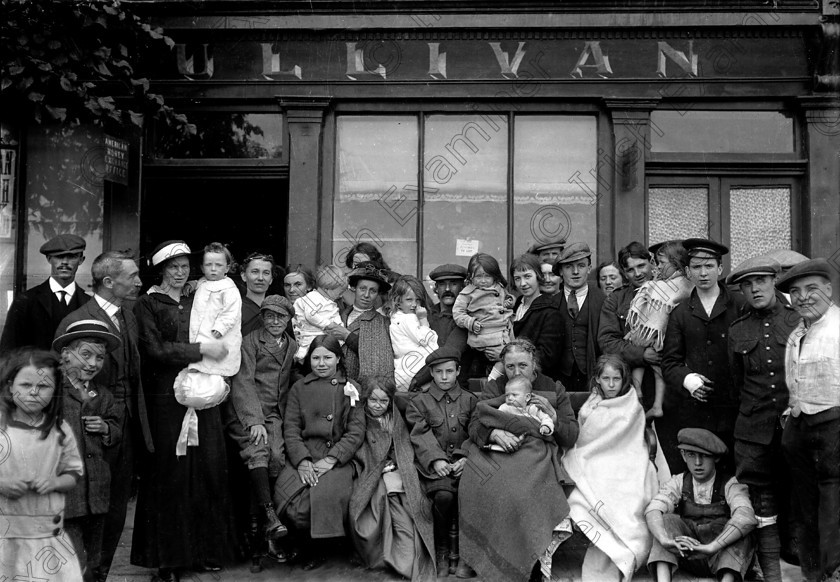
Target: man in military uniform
34	315
757	342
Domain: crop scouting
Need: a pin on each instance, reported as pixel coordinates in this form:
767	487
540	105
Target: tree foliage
73	62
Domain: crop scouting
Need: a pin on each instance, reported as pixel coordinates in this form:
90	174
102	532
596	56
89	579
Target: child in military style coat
438	418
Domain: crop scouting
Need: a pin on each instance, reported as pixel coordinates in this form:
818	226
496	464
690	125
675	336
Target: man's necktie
573	305
62	296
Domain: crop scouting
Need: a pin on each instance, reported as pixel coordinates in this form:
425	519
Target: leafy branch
73	62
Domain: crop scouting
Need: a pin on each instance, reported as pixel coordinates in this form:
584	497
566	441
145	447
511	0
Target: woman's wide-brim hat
370	272
170	249
87	329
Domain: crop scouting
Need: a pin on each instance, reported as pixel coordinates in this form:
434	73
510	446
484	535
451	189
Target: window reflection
465	188
376	189
224	135
555	190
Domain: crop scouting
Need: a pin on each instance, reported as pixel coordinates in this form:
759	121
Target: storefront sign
533	57
116	160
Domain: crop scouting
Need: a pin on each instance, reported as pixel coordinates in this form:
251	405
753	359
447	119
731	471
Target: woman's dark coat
542	324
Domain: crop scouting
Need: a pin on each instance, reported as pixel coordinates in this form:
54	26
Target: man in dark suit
116	280
35	314
757	342
580	310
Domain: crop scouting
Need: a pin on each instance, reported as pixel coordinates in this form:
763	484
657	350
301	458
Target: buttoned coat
595	298
127	392
91	495
542	324
757	343
320	421
34	316
697	342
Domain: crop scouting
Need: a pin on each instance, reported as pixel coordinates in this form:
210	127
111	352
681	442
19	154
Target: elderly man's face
550	256
811	296
127	283
448	289
759	290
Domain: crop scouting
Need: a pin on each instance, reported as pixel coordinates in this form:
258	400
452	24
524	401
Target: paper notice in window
466	247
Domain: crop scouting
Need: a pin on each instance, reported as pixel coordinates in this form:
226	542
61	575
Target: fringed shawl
649	311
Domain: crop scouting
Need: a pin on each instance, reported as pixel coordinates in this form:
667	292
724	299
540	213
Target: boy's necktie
573	304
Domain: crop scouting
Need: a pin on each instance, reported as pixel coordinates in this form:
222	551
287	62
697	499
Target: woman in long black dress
182	519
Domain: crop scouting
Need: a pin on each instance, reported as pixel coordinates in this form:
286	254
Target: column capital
304	110
631	110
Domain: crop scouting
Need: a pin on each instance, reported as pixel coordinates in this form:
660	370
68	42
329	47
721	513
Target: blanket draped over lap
509	503
614	479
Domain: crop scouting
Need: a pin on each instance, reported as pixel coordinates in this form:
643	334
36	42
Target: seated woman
324	425
513	508
390	516
613	474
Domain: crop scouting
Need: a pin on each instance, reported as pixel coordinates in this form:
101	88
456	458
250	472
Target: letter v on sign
508	68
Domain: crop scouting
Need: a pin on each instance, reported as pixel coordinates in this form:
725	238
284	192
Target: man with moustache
695	356
35	314
116	280
449	280
580	310
757	342
811	437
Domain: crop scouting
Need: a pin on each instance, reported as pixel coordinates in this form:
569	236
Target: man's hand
258	433
507	440
441	468
651	356
95	425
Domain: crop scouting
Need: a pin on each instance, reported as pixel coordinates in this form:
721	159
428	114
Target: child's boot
274	528
442	561
464	570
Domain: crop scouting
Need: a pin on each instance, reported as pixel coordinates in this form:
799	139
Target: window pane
8	224
677	213
759	221
465	189
721	132
64	195
555	190
376	190
224	135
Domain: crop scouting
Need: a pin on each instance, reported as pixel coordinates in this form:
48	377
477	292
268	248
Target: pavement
337	568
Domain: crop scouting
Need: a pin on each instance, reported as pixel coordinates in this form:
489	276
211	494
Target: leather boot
442	562
464	570
274	528
768	551
254	543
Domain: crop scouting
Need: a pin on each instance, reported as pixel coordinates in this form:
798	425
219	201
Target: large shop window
437	188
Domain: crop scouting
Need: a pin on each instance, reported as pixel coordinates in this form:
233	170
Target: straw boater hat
87	329
170	249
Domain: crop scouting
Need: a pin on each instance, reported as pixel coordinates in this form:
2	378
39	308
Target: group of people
659	410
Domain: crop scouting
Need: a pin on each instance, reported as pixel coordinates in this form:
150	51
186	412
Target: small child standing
437	419
43	463
484	309
650	310
216	317
700	519
411	336
318	309
518	401
90	409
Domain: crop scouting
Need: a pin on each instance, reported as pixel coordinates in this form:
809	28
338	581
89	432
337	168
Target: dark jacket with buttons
587	322
91	495
757	343
697	343
438	421
542	324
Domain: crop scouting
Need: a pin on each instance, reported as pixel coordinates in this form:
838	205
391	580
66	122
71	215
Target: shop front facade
434	131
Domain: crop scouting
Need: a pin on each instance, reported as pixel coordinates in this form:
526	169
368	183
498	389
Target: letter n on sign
116	160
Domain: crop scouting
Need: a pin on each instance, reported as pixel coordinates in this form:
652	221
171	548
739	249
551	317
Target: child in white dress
411	336
317	310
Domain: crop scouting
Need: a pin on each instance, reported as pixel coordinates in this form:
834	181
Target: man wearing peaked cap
34	315
701	518
812	432
449	280
757	343
580	304
695	354
548	252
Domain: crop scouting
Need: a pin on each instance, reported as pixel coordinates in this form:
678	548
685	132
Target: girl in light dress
39	463
411	336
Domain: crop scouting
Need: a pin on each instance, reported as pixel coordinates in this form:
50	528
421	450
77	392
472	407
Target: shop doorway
245	213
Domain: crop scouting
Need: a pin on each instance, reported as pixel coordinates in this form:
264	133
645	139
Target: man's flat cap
787	258
539	247
704	248
760	265
574	252
804	269
443	354
702	441
62	244
278	304
448	271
